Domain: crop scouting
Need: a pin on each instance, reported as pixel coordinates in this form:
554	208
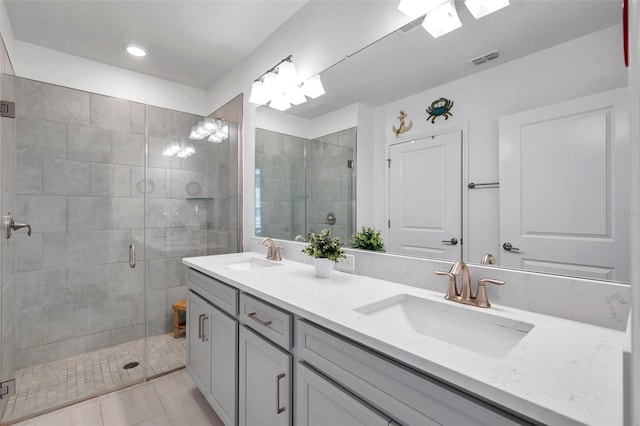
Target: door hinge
7	109
350	164
389	162
389	223
7	388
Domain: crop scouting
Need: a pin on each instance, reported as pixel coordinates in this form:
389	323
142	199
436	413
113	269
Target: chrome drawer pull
254	317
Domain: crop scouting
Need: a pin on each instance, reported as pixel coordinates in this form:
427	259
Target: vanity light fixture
417	8
480	8
442	20
280	87
135	50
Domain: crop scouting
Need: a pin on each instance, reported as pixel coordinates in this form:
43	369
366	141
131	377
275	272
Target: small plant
368	239
324	246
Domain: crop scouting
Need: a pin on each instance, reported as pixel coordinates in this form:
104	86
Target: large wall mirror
539	122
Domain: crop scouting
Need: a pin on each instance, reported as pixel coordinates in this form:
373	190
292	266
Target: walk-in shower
116	193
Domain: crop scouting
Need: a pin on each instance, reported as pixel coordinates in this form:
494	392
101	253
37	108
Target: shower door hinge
389	223
7	109
7	388
388	162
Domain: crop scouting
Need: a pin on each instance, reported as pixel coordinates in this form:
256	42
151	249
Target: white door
564	190
425	197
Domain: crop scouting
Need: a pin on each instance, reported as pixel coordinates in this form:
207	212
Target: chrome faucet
273	252
466	294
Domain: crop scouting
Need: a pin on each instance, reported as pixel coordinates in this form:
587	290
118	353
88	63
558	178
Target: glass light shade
171	150
480	8
313	87
280	103
295	95
287	74
215	139
272	85
442	19
259	93
194	132
210	125
416	8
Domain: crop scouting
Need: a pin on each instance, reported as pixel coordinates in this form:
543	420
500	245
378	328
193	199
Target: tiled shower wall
286	165
331	183
7	247
81	184
280	161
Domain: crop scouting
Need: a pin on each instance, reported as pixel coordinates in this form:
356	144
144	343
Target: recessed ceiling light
135	50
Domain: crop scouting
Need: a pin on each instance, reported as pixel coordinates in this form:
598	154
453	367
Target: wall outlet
348	264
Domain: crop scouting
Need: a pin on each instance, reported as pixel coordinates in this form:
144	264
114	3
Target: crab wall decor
402	128
440	107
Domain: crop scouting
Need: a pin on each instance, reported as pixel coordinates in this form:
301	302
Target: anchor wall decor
402	128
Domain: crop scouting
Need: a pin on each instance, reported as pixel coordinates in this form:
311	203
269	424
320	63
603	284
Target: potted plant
326	251
368	239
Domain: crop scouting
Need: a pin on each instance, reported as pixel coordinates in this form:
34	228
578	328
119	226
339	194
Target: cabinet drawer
216	292
407	396
267	320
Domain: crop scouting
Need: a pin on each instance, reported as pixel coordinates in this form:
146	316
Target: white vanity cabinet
212	347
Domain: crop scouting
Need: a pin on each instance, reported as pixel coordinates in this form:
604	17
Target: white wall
584	66
55	67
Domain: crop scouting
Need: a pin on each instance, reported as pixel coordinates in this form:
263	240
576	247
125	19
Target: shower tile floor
56	383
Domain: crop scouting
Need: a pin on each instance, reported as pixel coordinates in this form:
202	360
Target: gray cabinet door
198	345
321	403
265	382
224	366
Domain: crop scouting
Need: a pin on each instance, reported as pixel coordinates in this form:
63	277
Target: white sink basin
474	329
250	263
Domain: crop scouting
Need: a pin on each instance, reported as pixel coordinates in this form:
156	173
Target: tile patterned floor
171	400
66	380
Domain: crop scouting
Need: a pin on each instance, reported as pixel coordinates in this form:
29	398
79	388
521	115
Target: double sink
467	327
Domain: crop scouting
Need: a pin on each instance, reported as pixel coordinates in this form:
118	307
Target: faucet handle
481	299
452	291
276	254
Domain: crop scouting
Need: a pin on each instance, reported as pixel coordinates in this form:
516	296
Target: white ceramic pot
323	267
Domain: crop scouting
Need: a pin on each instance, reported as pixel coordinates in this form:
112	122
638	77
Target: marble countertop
561	372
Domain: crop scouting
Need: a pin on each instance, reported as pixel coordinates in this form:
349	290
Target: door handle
508	247
132	255
279	409
453	241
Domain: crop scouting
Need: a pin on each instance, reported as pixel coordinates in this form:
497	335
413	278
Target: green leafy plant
324	246
368	239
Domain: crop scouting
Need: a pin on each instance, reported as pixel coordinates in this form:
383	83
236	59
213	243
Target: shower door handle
132	255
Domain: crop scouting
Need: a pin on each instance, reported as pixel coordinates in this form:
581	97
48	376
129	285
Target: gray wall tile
127	148
28	174
70	249
110	113
45	213
88	144
109	180
65	321
90	213
41	138
65	105
28	94
137	118
61	177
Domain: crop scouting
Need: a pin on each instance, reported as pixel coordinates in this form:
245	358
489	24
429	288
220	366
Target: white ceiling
190	42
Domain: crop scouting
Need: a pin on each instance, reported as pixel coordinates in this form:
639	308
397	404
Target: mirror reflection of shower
305	185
